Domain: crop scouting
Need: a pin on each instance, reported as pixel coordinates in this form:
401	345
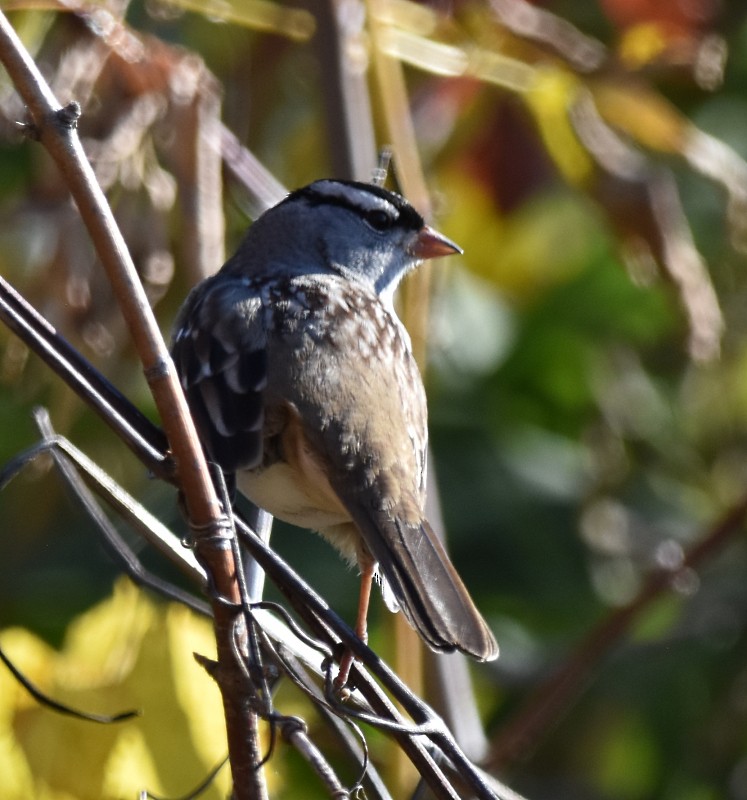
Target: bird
304	390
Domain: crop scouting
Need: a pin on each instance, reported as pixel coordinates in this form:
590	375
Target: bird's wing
374	489
220	354
363	414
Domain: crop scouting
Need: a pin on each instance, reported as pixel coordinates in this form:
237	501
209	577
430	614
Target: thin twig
348	732
294	731
547	703
329	627
46	701
144	439
68	460
285	631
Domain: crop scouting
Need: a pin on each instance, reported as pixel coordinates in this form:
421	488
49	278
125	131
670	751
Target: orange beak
429	243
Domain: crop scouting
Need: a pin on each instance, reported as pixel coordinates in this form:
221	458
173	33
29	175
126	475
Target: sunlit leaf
551	98
126	653
260	15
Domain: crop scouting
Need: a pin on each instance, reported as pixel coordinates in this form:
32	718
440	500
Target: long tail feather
432	595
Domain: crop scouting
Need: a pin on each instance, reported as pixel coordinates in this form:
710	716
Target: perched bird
304	390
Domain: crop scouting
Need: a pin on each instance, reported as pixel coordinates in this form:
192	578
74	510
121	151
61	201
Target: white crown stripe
353	196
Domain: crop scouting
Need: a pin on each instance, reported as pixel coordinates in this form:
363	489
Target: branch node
157	371
216	534
68	116
290	726
208	664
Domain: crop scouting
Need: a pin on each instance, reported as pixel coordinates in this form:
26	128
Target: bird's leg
361	624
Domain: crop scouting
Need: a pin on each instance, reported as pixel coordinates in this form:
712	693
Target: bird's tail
430	592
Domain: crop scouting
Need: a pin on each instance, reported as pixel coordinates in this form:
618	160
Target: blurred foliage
587	357
107	660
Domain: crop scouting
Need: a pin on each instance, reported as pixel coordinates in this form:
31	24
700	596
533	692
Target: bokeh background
586	361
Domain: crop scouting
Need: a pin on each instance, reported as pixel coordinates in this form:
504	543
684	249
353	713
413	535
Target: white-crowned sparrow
303	386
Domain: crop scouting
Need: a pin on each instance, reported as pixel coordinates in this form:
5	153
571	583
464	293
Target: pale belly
277	491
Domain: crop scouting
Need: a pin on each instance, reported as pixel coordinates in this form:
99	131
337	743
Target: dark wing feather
427	586
220	354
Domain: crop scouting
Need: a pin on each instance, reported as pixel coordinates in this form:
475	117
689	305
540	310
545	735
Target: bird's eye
379	220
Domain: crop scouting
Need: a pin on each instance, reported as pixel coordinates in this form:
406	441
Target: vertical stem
55	127
341	46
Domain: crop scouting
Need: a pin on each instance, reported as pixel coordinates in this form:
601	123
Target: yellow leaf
543	243
126	653
645	116
128	757
642	44
550	99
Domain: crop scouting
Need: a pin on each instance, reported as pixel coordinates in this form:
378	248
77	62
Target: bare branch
341	45
549	701
55	127
144	439
295	732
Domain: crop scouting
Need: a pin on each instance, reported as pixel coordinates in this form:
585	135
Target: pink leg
361	625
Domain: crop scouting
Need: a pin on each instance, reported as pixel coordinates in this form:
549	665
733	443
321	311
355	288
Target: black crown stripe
409	218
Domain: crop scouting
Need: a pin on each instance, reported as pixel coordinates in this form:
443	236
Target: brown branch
340	43
294	731
544	707
55	128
